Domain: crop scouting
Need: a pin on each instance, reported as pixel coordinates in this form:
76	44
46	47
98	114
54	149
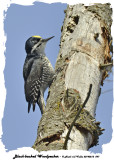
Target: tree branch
77	115
102	66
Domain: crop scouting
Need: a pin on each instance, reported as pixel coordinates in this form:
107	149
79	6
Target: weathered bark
84	47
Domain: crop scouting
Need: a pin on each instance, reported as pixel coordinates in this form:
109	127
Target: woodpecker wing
33	83
27	67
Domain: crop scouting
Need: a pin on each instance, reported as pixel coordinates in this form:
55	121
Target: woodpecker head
36	44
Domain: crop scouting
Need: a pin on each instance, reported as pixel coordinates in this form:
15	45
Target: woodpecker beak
47	39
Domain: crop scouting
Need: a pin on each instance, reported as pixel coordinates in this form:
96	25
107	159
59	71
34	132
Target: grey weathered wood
84	47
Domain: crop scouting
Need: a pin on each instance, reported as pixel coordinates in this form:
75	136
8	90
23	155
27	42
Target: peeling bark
84	47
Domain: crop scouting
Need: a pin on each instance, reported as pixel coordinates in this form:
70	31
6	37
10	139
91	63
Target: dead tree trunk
84	52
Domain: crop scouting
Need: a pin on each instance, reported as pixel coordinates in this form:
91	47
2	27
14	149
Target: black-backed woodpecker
38	72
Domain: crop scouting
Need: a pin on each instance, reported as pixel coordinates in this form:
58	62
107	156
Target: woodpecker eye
34	41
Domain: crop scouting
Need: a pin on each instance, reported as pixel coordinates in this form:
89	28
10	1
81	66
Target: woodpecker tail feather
33	107
29	106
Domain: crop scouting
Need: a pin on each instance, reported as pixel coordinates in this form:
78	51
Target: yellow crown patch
37	36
